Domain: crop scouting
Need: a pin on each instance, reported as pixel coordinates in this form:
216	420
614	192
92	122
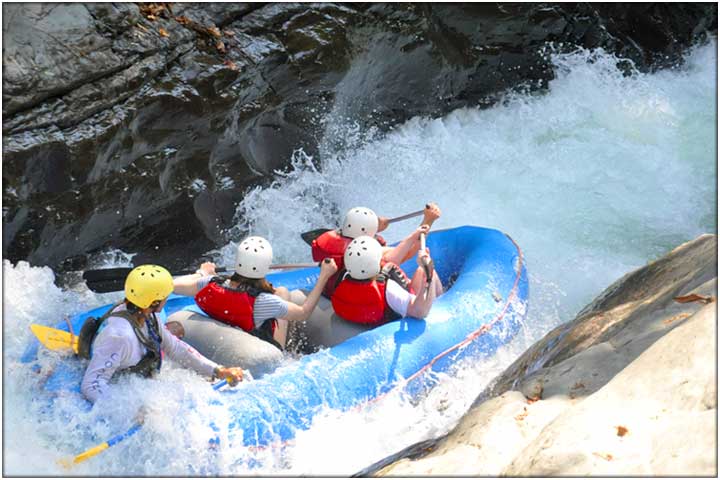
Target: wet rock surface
140	126
629	387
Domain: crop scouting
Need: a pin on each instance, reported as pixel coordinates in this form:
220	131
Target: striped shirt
267	305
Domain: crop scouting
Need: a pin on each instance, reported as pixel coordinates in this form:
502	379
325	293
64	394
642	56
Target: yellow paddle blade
54	339
65	463
68	463
91	453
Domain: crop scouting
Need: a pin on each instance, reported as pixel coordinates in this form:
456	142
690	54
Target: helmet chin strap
155	306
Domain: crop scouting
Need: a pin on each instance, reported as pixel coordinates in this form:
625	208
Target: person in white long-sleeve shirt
133	340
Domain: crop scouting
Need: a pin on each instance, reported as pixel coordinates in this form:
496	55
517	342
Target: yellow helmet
147	284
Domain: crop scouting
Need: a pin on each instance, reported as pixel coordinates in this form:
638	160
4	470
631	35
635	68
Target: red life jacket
230	305
364	301
332	244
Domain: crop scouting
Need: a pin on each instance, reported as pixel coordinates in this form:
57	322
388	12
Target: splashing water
596	177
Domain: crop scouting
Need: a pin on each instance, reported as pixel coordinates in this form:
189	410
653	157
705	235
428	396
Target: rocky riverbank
629	387
139	126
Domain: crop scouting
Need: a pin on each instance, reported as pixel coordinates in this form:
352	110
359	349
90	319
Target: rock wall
139	126
627	388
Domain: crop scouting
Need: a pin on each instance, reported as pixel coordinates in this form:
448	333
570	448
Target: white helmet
254	256
359	221
362	258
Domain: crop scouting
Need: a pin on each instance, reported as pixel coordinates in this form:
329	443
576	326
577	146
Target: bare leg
297	297
280	334
283	293
414	247
283	327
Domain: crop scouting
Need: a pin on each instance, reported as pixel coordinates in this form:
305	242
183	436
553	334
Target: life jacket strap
152	359
395	273
89	331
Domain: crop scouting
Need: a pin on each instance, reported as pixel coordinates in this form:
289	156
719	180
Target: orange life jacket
364	301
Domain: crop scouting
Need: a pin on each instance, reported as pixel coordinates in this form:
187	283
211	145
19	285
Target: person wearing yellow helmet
133	341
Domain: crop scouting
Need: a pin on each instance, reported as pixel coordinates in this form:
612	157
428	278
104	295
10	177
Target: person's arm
402	251
420	306
298	313
110	353
188	284
188	357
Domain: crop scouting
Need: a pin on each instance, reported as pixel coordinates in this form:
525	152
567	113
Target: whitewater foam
596	177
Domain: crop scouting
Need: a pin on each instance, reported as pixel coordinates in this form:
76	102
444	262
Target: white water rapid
594	178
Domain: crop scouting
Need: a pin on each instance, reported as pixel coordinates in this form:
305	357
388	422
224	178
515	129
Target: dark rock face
139	126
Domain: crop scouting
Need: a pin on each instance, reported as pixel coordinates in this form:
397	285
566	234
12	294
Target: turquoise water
594	178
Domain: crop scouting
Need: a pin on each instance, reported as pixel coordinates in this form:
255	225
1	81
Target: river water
600	175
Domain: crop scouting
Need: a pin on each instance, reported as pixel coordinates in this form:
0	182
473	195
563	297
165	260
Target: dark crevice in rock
232	98
414	451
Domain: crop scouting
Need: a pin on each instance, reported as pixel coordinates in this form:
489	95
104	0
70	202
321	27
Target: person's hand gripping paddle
428	266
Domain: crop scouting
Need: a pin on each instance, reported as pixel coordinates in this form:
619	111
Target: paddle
308	237
113	279
54	339
68	463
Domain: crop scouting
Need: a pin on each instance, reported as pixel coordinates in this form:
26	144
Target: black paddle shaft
113	279
119	273
106	280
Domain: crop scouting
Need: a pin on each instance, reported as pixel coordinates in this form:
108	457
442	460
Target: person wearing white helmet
360	221
332	244
246	299
131	340
374	292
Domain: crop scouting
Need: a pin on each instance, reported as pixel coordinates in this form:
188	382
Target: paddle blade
106	279
54	339
105	274
88	454
310	236
106	286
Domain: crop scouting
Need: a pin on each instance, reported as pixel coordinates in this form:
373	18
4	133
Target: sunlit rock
627	388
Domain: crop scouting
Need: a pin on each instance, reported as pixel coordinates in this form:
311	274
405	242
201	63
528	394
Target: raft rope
471	337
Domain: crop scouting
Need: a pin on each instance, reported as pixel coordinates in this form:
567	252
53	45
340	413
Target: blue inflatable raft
481	311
